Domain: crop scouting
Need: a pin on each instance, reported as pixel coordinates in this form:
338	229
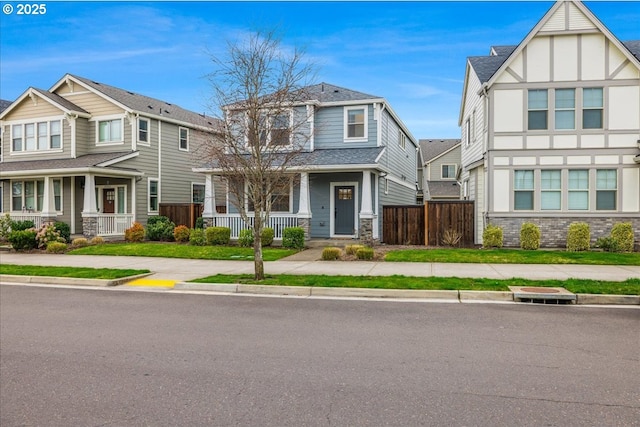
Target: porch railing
114	224
276	221
26	216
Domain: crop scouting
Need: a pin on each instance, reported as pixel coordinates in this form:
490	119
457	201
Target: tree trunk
258	263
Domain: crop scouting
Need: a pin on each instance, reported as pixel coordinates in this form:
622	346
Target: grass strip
512	256
174	250
628	287
76	272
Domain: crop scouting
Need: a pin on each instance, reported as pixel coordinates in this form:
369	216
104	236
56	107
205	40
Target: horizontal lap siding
329	129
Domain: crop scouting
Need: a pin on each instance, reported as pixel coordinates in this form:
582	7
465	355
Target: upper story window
402	139
143	130
280	132
448	171
183	143
592	104
467	132
355	123
110	130
565	114
40	136
538	106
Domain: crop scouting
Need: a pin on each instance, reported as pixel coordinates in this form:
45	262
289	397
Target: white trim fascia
119	159
33	91
352	102
380	155
70	172
327	168
401	124
443	153
68	77
345	122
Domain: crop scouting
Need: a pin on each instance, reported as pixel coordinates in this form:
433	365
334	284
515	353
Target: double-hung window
16	135
402	140
355	123
280	132
578	193
55	137
592	105
30	134
183	143
43	140
538	106
153	195
110	130
523	190
143	130
448	171
565	114
550	190
29	195
606	189
38	136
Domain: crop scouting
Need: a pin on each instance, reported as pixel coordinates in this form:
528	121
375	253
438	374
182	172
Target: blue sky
411	53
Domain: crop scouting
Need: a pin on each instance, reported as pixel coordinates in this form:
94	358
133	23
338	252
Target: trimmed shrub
46	235
160	228
218	235
23	240
22	225
331	253
529	236
56	247
135	233
268	234
79	242
245	239
352	249
97	240
5	227
578	237
607	244
197	237
200	223
293	238
181	234
622	233
364	253
492	237
64	230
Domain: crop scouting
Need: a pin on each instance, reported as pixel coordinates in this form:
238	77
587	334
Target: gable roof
50	97
325	92
434	148
4	104
486	66
144	105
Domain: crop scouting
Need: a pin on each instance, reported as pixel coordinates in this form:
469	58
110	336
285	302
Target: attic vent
95	83
167	103
130	93
167	112
336	91
149	107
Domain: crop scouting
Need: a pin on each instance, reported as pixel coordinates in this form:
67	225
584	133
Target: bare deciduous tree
259	91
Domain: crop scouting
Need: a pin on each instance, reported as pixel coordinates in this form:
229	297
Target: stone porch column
209	210
89	208
304	205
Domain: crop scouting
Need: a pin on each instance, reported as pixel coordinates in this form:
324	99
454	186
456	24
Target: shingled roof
325	92
63	102
4	104
432	148
486	66
86	161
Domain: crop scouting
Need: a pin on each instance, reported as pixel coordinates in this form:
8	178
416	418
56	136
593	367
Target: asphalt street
112	357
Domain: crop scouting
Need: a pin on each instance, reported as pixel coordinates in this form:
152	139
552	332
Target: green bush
331	253
5	227
578	237
47	234
56	247
197	237
22	225
293	238
79	242
607	244
97	240
218	235
364	253
160	228
529	236
352	249
23	240
135	233
181	234
245	239
64	230
200	223
492	237
268	234
622	233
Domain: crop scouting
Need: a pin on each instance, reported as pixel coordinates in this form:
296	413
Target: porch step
323	243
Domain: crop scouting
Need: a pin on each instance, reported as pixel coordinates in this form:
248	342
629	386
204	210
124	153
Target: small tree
259	89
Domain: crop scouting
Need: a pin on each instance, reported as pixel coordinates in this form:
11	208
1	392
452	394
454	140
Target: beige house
441	166
551	129
97	157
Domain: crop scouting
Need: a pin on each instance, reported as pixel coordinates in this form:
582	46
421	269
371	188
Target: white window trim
99	204
402	140
149	180
366	123
11	207
35	122
246	198
97	120
148	141
455	170
180	128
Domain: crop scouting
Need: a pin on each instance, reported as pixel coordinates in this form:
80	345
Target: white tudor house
551	129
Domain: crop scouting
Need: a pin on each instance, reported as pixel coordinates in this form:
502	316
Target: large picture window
523	190
29	195
538	106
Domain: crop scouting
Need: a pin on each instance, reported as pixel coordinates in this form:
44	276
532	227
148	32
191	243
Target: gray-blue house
358	156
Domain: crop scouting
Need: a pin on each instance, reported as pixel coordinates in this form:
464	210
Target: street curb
72	281
608	299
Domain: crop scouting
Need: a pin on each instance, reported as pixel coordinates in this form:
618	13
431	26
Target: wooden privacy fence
427	224
403	225
182	213
449	216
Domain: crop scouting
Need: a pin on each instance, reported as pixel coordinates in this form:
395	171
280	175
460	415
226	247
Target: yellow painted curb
156	283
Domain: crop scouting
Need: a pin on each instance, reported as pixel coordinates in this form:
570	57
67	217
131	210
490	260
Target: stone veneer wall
553	230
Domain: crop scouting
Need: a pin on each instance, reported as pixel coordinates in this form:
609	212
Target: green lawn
628	287
77	272
512	256
174	250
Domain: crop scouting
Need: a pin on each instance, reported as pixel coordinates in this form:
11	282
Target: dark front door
108	200
344	197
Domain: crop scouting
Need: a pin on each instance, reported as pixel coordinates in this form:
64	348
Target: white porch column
366	210
209	210
89	206
48	199
304	204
